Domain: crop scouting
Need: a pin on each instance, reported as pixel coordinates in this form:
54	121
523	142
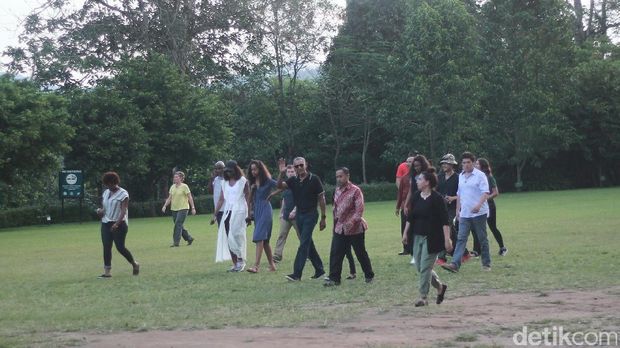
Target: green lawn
48	283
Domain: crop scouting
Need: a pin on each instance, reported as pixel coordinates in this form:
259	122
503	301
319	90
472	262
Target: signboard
71	184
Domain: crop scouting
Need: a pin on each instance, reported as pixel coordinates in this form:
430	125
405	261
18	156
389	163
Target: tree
34	132
63	47
162	120
529	53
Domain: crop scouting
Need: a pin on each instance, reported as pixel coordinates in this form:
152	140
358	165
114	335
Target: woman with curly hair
261	186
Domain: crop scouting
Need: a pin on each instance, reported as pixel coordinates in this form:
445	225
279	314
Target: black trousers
492	222
340	245
407	248
118	238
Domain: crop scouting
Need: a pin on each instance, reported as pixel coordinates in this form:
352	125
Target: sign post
70	186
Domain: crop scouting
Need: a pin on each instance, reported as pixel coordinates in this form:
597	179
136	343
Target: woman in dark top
431	233
483	165
420	164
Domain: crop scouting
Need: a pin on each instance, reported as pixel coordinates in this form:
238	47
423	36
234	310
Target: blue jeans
478	226
306	223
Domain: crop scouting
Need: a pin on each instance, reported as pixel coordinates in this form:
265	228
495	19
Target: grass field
556	240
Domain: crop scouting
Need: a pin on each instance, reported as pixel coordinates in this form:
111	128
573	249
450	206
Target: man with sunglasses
307	192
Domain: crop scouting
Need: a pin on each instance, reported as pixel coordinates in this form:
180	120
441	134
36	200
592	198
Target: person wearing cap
447	187
215	186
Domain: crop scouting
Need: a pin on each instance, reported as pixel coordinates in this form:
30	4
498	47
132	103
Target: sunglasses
299	165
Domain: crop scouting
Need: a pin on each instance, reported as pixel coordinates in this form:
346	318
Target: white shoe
412	261
240	266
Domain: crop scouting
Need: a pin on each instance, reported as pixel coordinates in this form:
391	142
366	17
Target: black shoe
318	275
105	276
329	283
444	287
351	276
174	245
369	280
403	253
189	242
292	278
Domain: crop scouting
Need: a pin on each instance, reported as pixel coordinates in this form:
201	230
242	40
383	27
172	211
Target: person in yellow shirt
180	200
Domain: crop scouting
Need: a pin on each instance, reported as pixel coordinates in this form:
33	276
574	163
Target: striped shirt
112	205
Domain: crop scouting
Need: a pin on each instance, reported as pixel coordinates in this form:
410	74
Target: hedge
204	205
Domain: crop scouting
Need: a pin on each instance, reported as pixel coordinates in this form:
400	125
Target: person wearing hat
447	187
216	188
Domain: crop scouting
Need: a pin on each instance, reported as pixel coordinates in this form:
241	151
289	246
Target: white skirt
236	240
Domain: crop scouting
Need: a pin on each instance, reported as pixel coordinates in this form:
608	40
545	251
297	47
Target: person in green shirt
180	200
484	165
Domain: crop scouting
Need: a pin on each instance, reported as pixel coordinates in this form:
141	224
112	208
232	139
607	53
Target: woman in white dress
231	237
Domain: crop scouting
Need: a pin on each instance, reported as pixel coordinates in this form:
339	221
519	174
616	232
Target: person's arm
398	179
218	206
246	191
407	202
483	185
494	193
121	218
293	214
443	218
250	201
275	192
190	198
446	237
458	206
359	208
405	239
166	203
281	183
322	205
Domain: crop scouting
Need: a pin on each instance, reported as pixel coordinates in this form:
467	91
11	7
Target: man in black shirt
307	192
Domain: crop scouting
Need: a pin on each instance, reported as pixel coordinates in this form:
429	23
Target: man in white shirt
472	210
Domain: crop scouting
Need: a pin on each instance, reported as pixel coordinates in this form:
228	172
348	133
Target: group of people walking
432	209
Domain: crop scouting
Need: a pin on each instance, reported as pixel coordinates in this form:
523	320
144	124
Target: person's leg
425	266
179	220
306	224
269	254
492	221
461	241
403	222
106	240
184	233
351	260
259	253
285	227
218	217
233	256
479	224
336	257
476	243
175	238
359	246
119	241
409	245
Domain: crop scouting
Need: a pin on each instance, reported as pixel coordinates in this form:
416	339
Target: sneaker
486	268
105	276
403	253
136	269
318	274
189	242
465	258
503	251
292	278
440	262
277	259
330	283
474	254
233	269
421	302
351	276
174	245
412	262
450	267
240	266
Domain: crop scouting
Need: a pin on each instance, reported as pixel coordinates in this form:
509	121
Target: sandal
444	287
253	269
272	268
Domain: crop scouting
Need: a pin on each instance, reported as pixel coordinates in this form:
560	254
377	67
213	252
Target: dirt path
489	320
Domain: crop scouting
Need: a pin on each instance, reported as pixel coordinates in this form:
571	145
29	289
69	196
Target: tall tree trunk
367	131
519	183
578	22
604	26
590	30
